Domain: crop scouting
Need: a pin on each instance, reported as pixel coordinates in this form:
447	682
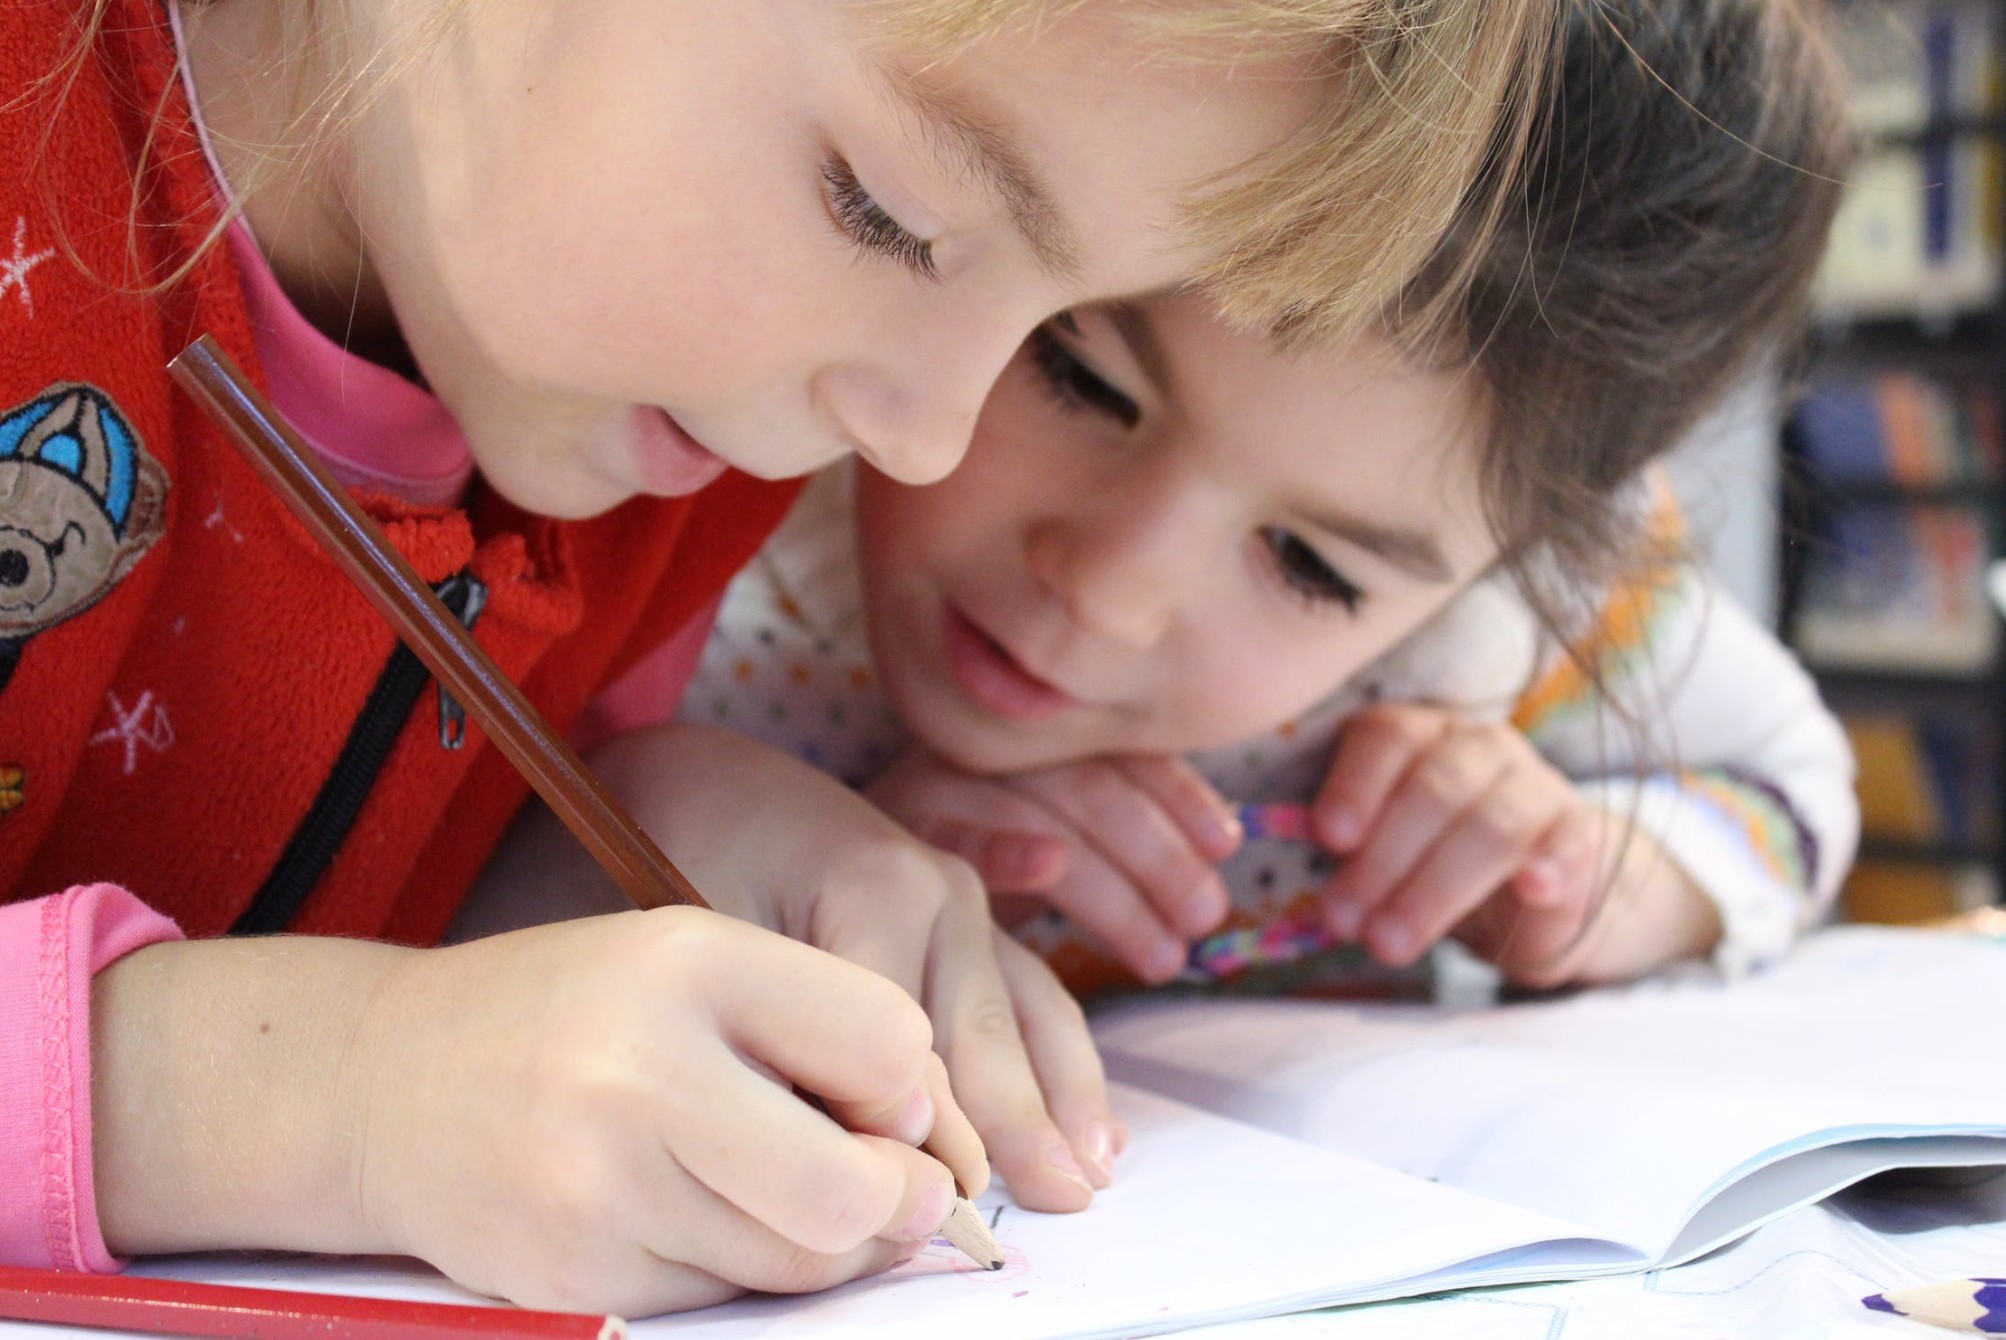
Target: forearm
230	1094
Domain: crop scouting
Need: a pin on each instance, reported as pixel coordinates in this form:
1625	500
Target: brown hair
1661	237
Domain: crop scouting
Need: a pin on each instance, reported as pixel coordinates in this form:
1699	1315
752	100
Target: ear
145	520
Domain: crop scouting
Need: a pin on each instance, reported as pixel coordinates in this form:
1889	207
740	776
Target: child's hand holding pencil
599	1114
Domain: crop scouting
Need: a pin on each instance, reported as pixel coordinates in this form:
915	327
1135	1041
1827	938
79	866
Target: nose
1121	564
909	408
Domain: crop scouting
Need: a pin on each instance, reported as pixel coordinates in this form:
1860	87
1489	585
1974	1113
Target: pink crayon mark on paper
1020	1293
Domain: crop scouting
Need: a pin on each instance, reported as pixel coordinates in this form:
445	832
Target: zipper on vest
375	732
452	716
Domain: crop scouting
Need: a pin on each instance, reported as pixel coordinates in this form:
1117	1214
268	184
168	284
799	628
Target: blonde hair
1317	239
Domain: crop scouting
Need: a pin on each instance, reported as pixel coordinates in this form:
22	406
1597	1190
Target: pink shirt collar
375	429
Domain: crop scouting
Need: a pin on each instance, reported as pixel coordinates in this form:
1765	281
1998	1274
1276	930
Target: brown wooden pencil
463	667
441	641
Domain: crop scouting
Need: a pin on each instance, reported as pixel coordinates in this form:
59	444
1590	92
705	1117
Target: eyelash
1078	387
864	221
1308	573
1075	385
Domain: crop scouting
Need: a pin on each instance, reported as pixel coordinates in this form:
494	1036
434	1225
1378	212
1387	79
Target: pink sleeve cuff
49	949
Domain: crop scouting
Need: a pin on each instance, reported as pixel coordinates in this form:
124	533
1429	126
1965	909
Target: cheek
643	323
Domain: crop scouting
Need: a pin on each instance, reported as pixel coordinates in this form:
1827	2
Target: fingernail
1392	942
930	1213
1063	1163
1223	831
1340	827
1205	909
1165	960
1020	857
915	1121
1544	872
1100	1154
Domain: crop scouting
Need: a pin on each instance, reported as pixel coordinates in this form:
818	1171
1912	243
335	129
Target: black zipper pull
466	596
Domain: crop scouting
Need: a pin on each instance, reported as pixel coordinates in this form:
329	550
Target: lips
992	678
670	461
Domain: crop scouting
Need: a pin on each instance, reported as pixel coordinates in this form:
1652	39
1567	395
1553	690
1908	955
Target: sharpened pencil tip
970	1236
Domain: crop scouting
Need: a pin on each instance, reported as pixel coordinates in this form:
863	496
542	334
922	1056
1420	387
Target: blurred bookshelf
1895	458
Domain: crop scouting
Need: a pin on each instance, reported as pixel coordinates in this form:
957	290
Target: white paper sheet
1625	1109
1622	1111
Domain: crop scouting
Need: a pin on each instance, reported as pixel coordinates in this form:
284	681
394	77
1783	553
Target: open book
1290	1155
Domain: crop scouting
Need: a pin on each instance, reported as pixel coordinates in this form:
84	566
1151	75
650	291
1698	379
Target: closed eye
1308	573
866	224
1075	385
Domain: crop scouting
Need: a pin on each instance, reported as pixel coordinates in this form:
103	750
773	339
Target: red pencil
234	1312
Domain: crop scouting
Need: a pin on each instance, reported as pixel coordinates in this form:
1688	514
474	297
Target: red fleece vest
186	665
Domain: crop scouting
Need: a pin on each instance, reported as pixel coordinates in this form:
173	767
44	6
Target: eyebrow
979	145
1412	551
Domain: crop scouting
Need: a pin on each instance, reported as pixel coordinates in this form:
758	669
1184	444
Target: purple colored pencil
1974	1305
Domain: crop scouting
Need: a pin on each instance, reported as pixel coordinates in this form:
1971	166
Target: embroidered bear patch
81	501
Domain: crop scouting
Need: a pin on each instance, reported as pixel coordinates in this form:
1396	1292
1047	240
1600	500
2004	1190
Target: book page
1800	1278
1622	1110
1208	1221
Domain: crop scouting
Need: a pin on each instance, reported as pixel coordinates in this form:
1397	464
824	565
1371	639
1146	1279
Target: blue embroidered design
81	501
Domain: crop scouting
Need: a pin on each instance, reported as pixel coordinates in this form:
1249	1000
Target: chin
996	748
577	499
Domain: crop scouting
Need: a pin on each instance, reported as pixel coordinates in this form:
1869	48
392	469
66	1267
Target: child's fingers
1376	749
1477	855
1442	782
819	1186
1007	860
1105	903
977	1031
1063	1055
849	1036
1534	929
1541	948
879	1084
927	1117
1560	871
1013	844
717	1234
676	1244
1132	832
1190	801
953	1139
1543	945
